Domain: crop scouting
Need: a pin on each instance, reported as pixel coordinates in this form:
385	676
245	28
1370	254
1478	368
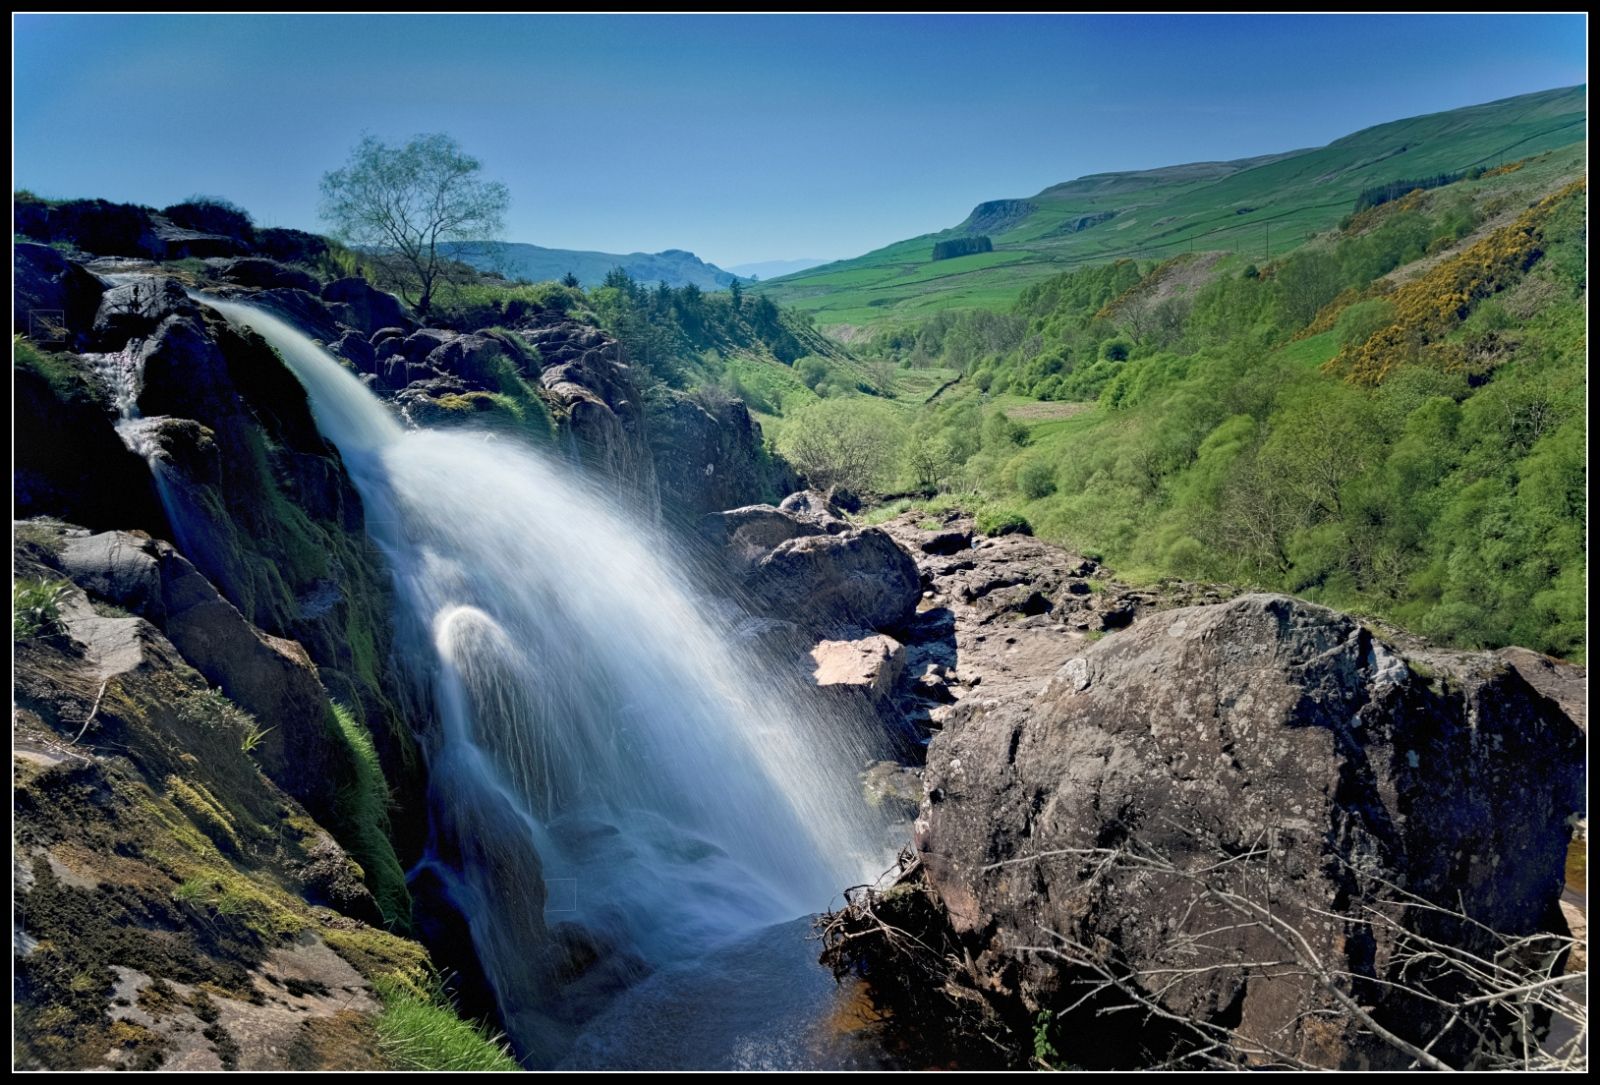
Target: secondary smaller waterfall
607	755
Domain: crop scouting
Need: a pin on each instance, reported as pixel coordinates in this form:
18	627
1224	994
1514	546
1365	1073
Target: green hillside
1256	206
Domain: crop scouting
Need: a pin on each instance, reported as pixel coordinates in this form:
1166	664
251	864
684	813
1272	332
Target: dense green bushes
1450	497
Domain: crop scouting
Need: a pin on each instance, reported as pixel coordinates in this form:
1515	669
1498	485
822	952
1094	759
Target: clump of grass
423	1031
363	808
36	608
212	710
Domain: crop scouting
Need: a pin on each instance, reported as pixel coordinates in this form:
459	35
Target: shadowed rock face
268	676
1263	727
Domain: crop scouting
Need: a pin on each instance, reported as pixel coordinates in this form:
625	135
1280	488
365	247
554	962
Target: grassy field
1255	207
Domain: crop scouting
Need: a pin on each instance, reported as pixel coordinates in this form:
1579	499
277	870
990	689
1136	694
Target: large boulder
707	451
479	360
365	307
808	567
1204	804
134	308
750	533
266	274
54	299
268	676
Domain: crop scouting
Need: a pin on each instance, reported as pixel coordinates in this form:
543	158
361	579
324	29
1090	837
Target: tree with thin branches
414	209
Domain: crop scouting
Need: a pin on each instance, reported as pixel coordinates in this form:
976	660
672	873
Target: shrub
812	371
843	442
1036	479
36	608
1001	521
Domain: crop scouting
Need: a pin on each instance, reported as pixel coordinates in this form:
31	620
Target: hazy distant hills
535	263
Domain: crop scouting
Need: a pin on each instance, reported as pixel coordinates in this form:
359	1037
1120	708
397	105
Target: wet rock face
1264	728
172	903
707	453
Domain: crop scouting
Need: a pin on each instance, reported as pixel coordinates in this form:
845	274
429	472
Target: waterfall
606	754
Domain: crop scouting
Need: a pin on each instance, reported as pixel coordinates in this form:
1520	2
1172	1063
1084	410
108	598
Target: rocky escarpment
176	905
1238	823
215	744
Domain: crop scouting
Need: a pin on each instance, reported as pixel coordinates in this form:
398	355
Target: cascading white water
594	721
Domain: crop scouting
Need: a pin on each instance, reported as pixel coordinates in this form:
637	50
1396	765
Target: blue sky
741	138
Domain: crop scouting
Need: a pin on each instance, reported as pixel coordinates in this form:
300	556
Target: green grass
36	608
423	1031
1160	213
364	812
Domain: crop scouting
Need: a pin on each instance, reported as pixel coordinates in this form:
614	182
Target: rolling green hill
1255	206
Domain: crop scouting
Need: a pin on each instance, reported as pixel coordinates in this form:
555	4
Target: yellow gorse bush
1430	307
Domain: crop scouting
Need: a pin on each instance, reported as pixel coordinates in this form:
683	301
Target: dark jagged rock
424	341
1567	684
707	453
367	308
266	274
69	460
1264	726
54	299
94	226
179	243
946	543
354	348
304	310
290	246
132	309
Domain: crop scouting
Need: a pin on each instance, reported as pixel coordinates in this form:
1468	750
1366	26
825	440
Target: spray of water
599	732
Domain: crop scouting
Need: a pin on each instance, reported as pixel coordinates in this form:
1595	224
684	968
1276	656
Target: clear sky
741	138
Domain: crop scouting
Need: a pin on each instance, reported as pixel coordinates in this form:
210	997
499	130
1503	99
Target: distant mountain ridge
535	263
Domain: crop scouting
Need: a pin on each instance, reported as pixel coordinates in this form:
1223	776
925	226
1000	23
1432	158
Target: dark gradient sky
741	138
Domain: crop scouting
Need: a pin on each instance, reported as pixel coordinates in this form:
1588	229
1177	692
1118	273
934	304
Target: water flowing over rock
605	753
